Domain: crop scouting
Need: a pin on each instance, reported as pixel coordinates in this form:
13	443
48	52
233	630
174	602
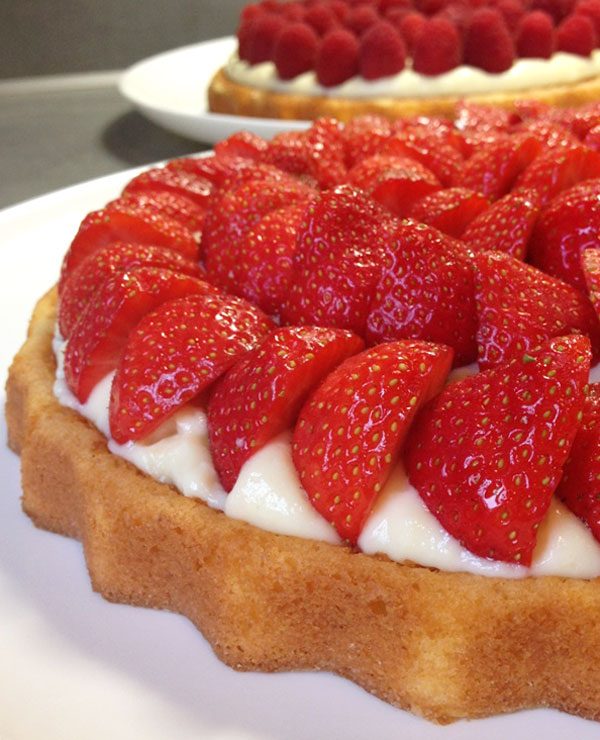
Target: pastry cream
268	494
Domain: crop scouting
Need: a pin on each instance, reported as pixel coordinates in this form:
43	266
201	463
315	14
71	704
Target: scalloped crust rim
227	96
442	645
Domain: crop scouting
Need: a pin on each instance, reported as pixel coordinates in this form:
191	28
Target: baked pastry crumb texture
442	645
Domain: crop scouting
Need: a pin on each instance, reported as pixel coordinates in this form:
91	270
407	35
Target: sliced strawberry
494	168
590	260
559	169
266	258
592	139
487	453
480	117
435	150
217	169
395	182
426	291
565	229
551	135
230	217
317	154
262	394
363	137
350	431
178	207
85	280
176	352
125	221
121	301
450	210
242	144
165	179
519	307
579	487
506	226
338	260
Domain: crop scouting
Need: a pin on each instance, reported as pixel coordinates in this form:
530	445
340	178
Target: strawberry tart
310	58
330	397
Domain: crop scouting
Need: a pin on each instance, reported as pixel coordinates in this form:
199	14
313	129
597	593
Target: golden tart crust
227	96
442	645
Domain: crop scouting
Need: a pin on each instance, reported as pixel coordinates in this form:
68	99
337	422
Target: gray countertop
58	132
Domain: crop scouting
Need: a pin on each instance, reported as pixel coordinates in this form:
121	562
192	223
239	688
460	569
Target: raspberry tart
330	397
311	58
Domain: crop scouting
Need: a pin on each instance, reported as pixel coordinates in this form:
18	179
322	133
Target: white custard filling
525	74
268	494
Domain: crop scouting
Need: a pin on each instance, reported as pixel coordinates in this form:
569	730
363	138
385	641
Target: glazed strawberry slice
350	431
579	487
226	171
242	144
395	182
363	137
125	221
97	339
338	260
565	229
558	169
317	154
433	150
267	258
519	307
426	291
175	353
450	210
87	278
482	117
487	453
232	216
551	135
178	207
168	180
262	394
590	260
494	168
506	226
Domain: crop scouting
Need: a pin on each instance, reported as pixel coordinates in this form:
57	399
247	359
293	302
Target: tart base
442	645
227	96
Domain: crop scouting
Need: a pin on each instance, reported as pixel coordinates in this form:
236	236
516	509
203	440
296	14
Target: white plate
170	89
73	666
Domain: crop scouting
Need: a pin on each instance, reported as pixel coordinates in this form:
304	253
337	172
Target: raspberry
295	50
576	35
558	9
429	7
293	12
262	35
437	48
382	52
459	14
321	18
340	9
244	36
249	13
395	16
512	11
361	18
410	27
590	8
488	43
337	58
535	35
388	6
